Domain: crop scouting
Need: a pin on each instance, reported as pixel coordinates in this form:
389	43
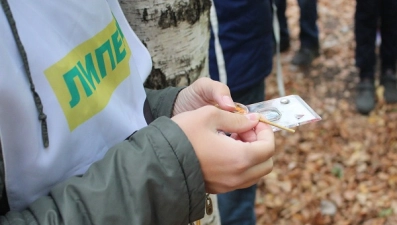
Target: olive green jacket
154	177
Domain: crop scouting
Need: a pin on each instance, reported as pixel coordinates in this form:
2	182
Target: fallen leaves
341	170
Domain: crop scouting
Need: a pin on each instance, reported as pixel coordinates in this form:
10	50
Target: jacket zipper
209	209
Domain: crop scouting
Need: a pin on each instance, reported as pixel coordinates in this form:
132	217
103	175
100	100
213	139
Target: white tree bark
176	33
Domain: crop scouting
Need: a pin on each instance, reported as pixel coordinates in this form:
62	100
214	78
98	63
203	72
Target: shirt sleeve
152	178
162	101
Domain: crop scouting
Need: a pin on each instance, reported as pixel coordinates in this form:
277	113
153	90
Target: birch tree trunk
176	33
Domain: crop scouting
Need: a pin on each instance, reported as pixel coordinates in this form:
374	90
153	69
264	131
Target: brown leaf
346	158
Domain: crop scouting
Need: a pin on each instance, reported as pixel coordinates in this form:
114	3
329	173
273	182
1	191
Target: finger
233	122
264	132
216	92
248	136
263	148
254	174
254	151
250	160
248	177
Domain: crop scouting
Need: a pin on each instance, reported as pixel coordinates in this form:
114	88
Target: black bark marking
183	11
145	15
158	80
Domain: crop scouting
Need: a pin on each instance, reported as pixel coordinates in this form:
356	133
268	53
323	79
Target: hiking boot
365	100
305	56
389	82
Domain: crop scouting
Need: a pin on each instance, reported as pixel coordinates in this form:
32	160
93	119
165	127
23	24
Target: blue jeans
370	16
238	207
308	35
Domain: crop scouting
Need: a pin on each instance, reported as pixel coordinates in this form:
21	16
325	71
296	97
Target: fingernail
228	101
252	116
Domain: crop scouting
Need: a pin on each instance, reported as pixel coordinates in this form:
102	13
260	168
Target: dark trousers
308	27
238	207
370	16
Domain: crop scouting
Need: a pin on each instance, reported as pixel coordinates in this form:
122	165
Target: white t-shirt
88	68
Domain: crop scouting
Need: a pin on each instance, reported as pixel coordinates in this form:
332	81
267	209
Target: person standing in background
308	36
369	17
240	55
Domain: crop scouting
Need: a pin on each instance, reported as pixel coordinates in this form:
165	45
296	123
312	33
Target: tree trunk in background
176	33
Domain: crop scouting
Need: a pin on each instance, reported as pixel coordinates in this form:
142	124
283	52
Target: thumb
215	92
234	122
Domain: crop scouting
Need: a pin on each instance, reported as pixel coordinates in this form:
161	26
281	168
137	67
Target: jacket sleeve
162	101
152	178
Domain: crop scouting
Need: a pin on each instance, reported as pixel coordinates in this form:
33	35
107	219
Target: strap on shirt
21	49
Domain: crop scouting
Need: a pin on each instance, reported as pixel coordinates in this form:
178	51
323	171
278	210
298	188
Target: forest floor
343	169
